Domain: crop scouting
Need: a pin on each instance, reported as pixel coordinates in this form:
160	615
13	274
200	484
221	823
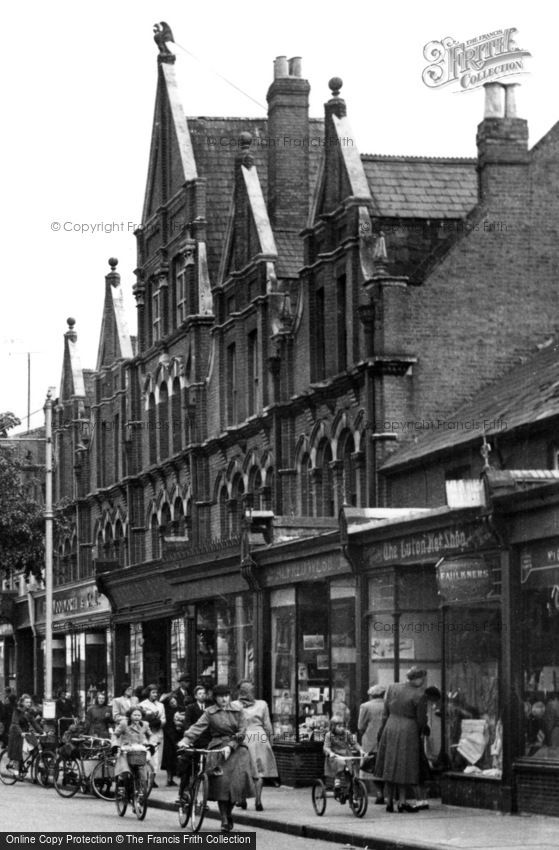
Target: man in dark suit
187	762
183	693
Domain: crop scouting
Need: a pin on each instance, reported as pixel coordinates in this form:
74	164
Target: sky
78	102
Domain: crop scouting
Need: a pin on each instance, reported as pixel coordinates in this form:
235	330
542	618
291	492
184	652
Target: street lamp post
48	710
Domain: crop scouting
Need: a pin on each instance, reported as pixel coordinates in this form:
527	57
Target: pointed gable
115	342
72	383
171	160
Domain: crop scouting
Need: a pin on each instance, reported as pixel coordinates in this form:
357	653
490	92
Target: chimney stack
288	145
502	141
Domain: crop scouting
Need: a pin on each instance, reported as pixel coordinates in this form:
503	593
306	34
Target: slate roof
215	146
528	394
421	187
290	252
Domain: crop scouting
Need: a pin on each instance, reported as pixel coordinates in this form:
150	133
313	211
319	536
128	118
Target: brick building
298	303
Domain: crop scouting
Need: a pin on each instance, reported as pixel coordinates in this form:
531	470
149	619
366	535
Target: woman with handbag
154	712
22	728
369	727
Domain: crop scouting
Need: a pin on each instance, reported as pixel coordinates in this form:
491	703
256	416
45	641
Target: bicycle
347	787
70	773
193	794
38	762
133	786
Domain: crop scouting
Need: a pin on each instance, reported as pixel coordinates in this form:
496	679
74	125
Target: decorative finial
335	85
161	34
113	262
380	255
485	451
71	322
245	140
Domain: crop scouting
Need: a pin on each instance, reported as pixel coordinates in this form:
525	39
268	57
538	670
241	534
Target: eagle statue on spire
161	34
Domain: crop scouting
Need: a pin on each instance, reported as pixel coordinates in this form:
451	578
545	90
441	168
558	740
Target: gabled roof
421	187
215	145
527	394
114	341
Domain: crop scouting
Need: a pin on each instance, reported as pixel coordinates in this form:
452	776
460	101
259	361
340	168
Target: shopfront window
474	728
405	624
314	658
224	635
178	648
540	664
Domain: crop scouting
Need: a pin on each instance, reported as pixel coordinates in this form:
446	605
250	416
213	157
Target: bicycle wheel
121	794
318	794
185	808
358	799
102	779
140	796
198	806
43	768
67	776
8	771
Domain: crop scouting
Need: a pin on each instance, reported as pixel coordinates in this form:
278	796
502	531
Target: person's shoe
405	807
379	801
217	771
155	785
390	807
259	807
171	783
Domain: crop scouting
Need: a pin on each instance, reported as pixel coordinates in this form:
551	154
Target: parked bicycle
132	786
193	791
346	786
38	763
73	771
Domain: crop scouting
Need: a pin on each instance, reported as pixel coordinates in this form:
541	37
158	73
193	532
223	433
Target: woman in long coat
24	721
230	779
369	725
405	716
258	739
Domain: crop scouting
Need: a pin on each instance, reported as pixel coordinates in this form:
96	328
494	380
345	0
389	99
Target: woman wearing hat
369	725
229	774
405	716
154	712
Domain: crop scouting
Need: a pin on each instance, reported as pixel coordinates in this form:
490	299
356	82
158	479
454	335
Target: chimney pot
295	67
280	67
494	100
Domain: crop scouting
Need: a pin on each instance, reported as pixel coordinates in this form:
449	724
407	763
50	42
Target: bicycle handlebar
195	750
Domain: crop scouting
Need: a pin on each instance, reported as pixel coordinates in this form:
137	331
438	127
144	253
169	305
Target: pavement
290	811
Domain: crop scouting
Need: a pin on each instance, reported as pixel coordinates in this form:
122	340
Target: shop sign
306	569
77	602
429	545
539	564
462	579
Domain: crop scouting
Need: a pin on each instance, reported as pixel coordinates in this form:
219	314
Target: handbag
369	762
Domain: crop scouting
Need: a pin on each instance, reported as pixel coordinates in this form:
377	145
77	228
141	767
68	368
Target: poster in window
313	642
303	673
322	661
283	672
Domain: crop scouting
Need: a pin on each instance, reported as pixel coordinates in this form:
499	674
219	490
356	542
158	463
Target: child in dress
339	743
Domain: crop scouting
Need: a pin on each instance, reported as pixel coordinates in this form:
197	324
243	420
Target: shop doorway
156	653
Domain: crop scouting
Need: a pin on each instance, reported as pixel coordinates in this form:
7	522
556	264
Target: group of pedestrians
393	726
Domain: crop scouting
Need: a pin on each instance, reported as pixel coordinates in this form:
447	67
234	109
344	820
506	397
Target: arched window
108	545
155	539
305	486
165	520
176	416
270	490
349	478
325	484
120	544
254	488
178	518
223	516
163	421
152	430
237	491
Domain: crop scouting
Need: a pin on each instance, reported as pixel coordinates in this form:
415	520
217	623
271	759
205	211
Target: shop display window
405	624
314	658
225	642
473	724
540	664
178	648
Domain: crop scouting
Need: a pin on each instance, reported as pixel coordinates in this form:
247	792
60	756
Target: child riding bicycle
339	743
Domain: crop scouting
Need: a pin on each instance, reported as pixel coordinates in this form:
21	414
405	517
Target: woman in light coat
154	712
258	738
